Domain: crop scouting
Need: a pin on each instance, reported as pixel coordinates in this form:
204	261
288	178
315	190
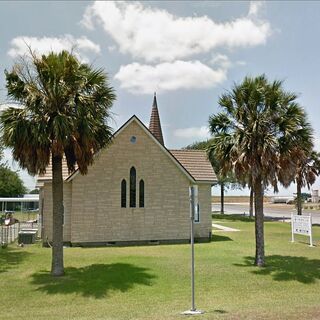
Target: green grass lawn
153	282
25	215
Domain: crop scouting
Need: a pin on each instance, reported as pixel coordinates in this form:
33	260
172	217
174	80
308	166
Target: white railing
9	234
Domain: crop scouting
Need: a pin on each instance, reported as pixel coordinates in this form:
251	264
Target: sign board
301	225
194	203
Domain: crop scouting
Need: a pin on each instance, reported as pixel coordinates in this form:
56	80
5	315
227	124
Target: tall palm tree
258	133
251	201
65	105
308	169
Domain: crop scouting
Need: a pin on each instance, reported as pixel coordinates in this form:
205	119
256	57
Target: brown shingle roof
155	125
196	163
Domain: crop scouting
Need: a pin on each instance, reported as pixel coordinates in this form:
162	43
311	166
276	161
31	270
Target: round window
133	139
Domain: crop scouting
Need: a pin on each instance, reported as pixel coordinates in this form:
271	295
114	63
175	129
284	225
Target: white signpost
301	225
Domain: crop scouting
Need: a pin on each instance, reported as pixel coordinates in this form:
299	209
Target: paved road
277	212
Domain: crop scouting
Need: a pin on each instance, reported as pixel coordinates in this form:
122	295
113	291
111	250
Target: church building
135	192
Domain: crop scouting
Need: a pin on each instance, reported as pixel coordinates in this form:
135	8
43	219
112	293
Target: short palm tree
308	169
65	105
258	134
223	180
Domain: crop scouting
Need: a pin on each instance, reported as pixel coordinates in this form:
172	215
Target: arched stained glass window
141	194
123	193
133	187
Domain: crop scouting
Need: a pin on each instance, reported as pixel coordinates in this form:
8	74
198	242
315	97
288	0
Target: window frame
123	193
133	188
141	194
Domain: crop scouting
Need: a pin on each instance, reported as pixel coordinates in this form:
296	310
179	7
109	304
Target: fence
9	234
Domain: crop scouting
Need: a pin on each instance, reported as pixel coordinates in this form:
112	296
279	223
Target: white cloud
80	46
193	132
155	35
112	48
241	63
145	79
316	142
220	60
255	7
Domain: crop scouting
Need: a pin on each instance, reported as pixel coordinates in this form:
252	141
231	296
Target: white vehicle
282	199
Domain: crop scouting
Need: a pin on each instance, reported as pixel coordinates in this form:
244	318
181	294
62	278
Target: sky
189	52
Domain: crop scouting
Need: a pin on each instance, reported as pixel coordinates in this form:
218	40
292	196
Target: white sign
301	225
194	201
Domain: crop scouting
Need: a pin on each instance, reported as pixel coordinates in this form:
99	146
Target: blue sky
189	52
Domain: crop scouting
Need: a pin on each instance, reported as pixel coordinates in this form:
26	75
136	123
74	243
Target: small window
133	139
197	213
123	193
141	194
132	187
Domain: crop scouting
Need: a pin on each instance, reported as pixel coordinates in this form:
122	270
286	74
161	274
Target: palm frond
66	108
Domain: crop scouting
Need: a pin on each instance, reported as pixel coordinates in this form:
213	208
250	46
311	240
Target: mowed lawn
153	282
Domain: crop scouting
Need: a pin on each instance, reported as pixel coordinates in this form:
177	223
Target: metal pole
193	310
310	226
292	225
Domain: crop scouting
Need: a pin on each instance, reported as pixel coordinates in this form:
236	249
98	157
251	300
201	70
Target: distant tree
65	107
225	181
260	132
308	170
11	184
34	191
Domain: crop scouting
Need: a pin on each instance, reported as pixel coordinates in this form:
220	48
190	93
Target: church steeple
155	125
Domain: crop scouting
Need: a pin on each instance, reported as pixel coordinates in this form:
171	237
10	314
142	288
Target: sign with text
301	225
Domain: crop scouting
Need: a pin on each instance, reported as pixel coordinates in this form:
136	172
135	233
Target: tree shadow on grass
11	258
217	238
232	217
287	268
95	280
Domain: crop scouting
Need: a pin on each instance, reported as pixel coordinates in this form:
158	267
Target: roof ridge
188	150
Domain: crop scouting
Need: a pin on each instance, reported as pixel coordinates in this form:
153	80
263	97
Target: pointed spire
155	125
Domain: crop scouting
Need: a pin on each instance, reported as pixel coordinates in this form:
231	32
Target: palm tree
251	203
223	180
65	105
256	133
308	169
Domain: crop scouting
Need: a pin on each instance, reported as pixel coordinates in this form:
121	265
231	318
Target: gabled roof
192	163
197	164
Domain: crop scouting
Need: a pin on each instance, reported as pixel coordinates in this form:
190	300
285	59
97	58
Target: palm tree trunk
258	207
251	203
299	200
222	198
57	217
